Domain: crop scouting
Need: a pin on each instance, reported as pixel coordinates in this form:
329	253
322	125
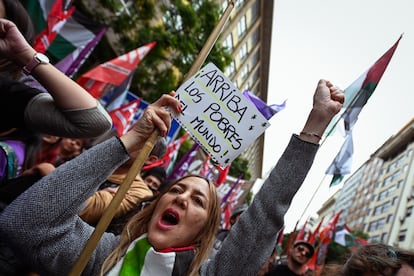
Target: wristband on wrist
311	134
38	59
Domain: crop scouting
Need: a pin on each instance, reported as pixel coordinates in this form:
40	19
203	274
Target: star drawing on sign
253	117
264	124
251	128
227	160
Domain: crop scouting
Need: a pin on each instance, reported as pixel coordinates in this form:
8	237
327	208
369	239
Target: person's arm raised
327	102
66	93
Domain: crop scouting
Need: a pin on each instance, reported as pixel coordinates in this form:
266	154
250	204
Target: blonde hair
138	225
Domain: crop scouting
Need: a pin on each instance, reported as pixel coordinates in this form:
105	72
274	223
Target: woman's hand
157	116
327	102
13	45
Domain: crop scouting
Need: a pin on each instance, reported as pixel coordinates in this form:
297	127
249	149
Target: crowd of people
55	187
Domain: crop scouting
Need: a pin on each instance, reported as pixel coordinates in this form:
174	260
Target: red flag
122	117
313	237
279	242
172	150
229	201
326	236
112	73
291	239
55	20
301	234
223	172
205	168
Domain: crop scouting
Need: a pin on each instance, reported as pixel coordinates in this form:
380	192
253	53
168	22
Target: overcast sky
338	41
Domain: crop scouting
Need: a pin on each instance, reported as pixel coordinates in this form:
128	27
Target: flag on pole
122	117
315	233
74	34
358	93
345	237
279	242
206	167
301	234
222	175
181	168
267	110
172	150
341	165
117	95
56	18
229	201
72	62
98	80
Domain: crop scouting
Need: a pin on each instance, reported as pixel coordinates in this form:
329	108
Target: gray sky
338	41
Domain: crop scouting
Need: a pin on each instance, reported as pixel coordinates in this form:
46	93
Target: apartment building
378	198
248	35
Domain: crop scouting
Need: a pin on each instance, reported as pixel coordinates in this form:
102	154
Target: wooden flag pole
135	169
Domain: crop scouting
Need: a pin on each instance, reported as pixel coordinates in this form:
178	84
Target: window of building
239	3
384	237
387	180
399	184
405	168
374	239
402	235
394	201
242	26
392	166
224	5
382	208
243	51
389	218
409	211
245	72
231	68
376	225
228	42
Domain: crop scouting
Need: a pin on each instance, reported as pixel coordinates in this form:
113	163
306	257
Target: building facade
248	34
378	198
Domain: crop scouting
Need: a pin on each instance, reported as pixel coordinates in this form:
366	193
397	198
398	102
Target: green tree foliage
240	166
180	29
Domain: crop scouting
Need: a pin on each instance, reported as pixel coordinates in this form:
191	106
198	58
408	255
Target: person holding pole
175	233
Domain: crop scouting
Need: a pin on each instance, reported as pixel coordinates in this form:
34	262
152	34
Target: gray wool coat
42	224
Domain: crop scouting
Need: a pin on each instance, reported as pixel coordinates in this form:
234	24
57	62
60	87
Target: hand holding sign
217	115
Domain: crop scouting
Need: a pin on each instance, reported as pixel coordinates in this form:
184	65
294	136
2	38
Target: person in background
67	110
175	233
25	112
222	233
374	259
69	148
139	191
299	255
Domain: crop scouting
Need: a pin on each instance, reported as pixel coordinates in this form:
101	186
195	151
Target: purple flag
72	62
235	184
267	110
182	167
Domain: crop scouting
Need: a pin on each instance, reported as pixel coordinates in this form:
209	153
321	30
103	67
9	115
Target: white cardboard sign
217	115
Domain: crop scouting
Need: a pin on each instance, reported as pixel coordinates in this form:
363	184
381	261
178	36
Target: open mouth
170	218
